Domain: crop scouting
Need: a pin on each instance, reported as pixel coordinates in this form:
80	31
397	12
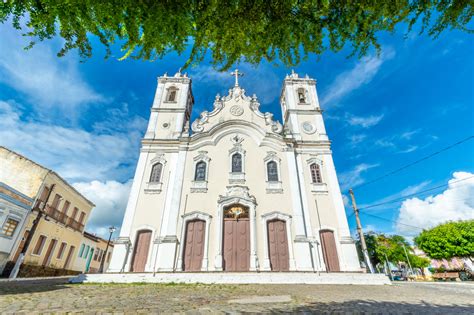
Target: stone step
236	278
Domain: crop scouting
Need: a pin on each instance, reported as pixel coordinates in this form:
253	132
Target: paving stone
400	298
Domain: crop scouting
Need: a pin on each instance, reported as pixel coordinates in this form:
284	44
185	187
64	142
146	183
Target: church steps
237	278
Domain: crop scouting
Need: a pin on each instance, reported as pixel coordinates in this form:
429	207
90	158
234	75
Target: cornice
185	80
168	110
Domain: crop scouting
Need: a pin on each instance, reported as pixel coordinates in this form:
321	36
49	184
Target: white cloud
385	143
76	154
413	189
209	74
455	203
261	80
409	149
346	200
362	73
369	228
364	122
110	198
407	135
398	142
356	139
354	177
98	163
46	80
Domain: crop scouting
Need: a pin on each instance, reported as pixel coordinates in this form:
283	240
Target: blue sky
85	120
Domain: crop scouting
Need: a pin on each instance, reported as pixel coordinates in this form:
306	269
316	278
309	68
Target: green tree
287	30
382	247
371	242
419	262
452	239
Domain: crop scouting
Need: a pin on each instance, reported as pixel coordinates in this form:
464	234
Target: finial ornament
236	73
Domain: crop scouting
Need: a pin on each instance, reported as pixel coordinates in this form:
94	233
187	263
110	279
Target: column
301	245
120	256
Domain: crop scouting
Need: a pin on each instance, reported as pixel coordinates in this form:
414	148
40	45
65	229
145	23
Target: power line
393	221
414	163
417	193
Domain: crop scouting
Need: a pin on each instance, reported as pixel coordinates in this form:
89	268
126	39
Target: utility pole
36	221
361	234
408	260
388	267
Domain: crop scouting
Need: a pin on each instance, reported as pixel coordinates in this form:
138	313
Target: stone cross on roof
236	73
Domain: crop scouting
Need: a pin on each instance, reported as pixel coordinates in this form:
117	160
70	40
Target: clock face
308	127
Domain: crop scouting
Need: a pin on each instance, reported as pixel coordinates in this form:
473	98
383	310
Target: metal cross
236	73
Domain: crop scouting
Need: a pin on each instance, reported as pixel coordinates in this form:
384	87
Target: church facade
235	190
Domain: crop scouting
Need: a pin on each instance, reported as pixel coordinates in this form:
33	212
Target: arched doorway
140	251
328	245
278	245
236	238
194	245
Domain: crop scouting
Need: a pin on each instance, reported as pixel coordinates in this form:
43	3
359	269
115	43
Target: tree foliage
250	29
452	239
383	247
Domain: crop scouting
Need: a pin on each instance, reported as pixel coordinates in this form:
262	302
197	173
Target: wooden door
140	252
21	245
69	256
278	246
328	244
236	244
194	245
49	252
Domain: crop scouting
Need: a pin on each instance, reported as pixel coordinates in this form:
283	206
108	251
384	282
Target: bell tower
302	115
171	110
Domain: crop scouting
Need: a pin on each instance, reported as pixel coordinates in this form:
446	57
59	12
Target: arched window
236	163
172	95
155	175
301	95
272	171
200	174
316	174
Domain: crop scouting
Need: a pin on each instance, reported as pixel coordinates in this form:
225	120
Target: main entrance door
194	245
329	250
278	246
236	238
140	252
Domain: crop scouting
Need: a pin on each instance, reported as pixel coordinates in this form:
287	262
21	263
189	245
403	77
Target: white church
235	190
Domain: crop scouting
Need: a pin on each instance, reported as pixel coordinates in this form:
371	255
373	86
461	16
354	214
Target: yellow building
91	252
61	209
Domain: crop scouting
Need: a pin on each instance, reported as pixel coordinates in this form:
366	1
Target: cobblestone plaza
57	296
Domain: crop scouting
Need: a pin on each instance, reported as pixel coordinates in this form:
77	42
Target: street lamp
111	230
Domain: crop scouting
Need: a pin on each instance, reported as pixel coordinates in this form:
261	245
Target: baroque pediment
237	192
236	105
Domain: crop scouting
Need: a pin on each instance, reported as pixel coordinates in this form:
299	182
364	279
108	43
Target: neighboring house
85	252
90	253
235	190
14	209
64	214
99	253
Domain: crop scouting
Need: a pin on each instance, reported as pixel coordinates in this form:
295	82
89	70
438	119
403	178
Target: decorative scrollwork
236	110
236	211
